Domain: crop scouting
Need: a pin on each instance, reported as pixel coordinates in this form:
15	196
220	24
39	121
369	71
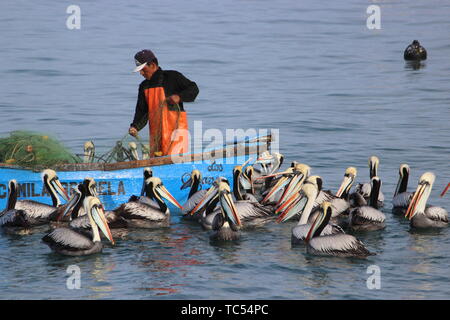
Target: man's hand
173	99
133	131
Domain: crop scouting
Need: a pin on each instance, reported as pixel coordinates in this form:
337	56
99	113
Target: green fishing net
32	149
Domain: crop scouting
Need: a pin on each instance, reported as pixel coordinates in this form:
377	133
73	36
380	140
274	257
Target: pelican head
76	200
373	166
423	191
52	182
315	180
96	213
321	221
157	190
195	177
228	208
403	176
91	186
210	195
347	182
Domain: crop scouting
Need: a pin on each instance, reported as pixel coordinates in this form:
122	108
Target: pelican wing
14	218
81	222
249	210
368	214
193	201
437	214
35	210
338	244
67	238
140	210
402	200
301	231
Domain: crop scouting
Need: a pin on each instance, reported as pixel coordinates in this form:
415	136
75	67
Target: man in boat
160	101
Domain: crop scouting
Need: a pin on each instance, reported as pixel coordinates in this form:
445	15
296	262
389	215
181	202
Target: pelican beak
166	194
229	209
60	189
187	184
445	190
276	174
98	214
348	180
70	205
411	211
210	194
295	206
294	186
280	184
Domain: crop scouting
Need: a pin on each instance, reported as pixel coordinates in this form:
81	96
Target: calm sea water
337	91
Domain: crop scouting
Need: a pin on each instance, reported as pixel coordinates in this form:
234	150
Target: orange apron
168	126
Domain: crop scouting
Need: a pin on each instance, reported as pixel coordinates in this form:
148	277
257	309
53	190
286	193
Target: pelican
304	205
11	218
365	189
68	242
226	224
36	213
401	198
421	216
133	150
341	244
89	152
195	195
148	173
368	218
140	214
269	163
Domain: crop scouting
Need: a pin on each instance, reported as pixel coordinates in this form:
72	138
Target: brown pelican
195	195
445	190
269	163
418	213
340	244
226	223
142	214
148	173
13	220
68	242
36	213
365	189
402	198
368	218
304	205
89	152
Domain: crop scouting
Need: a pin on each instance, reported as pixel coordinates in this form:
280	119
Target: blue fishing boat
116	182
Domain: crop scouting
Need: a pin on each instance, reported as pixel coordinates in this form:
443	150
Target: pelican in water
31	213
226	223
402	198
68	242
421	216
11	218
195	194
304	205
365	188
340	244
142	214
368	217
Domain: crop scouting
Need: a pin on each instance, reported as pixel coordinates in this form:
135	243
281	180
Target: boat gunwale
234	150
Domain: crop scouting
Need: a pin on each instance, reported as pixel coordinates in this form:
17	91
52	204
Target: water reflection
415	65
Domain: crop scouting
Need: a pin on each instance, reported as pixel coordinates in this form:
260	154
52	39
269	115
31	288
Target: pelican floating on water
341	244
368	218
195	194
31	213
68	242
418	213
304	205
226	223
402	198
365	188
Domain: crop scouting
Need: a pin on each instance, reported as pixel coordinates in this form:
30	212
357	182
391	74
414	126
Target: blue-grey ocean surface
337	91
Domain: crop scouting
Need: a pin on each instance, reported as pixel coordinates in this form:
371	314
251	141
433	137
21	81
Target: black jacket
173	82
